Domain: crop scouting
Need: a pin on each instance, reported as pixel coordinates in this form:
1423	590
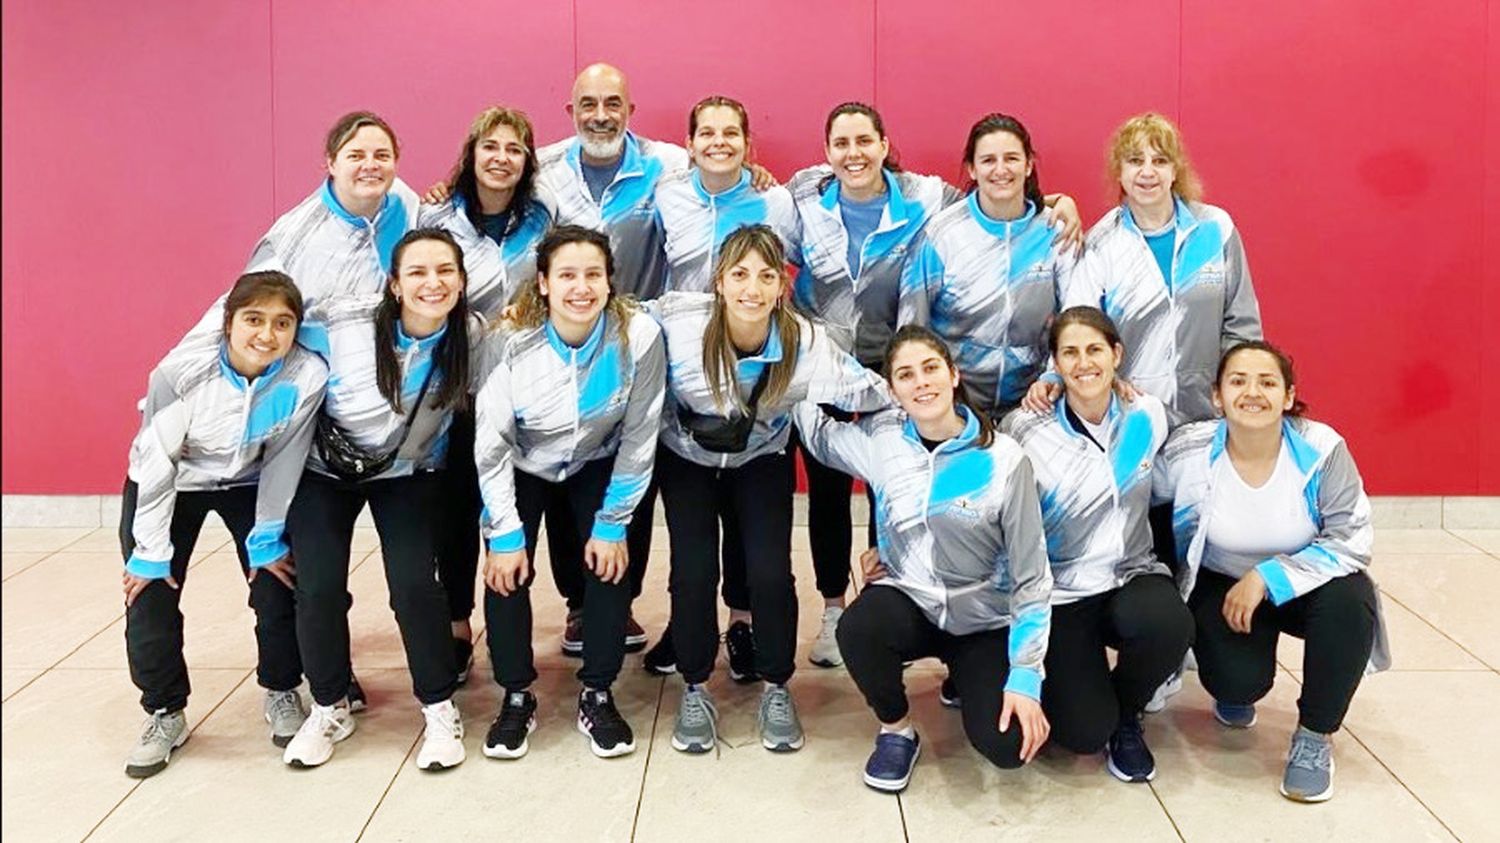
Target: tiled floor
1415	761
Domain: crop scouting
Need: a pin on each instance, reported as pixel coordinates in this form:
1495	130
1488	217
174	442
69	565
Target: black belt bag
351	461
719	434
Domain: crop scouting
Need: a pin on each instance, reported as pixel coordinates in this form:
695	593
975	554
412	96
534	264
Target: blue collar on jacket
1182	217
999	228
404	342
962	440
241	382
901	211
586	352
331	202
631	161
747	370
1304	455
734	192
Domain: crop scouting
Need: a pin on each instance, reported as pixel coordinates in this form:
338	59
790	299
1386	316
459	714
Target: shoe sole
950	702
304	764
613	752
146	771
504	753
825	662
744	678
893	786
571	649
1254	718
690	748
660	669
1316	797
440	764
280	741
1123	776
784	746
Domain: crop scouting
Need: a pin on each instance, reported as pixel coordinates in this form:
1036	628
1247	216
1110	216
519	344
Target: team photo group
1074	439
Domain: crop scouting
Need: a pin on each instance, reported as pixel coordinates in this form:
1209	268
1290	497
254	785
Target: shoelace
602	711
778	706
443	719
1310	754
156	728
284	705
513	715
1130	736
323	721
695	709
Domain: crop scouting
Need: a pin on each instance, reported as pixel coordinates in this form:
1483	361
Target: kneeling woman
962	570
1277	528
568	415
740	358
399	369
226	429
1093	454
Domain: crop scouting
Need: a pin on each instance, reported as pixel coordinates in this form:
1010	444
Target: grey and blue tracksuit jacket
1173	331
1194	461
860	310
626	211
1095	496
959	528
496	270
695	222
206	428
547	408
989	288
824	374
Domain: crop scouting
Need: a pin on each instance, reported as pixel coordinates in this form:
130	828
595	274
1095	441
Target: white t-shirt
1259	522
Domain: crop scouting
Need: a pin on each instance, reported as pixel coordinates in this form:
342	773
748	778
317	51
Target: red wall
1356	144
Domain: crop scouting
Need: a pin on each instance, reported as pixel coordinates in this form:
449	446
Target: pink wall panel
1487	381
1353	178
137	162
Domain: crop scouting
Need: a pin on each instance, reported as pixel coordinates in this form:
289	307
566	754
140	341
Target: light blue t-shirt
860	221
1161	247
598	176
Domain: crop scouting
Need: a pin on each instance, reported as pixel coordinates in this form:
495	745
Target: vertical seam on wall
271	72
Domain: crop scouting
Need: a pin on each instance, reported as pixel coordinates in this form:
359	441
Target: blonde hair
1152	130
719	359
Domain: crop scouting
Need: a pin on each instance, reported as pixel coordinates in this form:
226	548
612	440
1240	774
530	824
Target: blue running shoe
1235	716
890	765
1129	758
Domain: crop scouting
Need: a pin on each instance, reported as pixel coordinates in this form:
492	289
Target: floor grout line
640	798
1485	551
1435	628
1165	810
388	785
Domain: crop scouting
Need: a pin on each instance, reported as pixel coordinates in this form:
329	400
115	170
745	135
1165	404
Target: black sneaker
356	694
739	641
948	693
463	657
516	720
661	659
635	635
609	734
572	640
1129	758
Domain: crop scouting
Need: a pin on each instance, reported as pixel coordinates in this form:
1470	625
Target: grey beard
604	150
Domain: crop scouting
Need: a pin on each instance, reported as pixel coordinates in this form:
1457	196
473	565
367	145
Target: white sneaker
443	740
325	726
1167	690
825	650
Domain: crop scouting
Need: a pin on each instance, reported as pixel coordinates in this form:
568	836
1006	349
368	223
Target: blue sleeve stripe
150	569
265	543
1025	681
508	542
1028	629
1278	585
608	532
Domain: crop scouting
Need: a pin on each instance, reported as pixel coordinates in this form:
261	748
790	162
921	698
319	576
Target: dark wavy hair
464	183
892	162
926	336
451	357
255	287
1283	362
997	122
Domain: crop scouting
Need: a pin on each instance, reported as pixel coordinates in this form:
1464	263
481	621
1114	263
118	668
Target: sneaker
463	657
948	693
356	695
1129	758
609	734
890	766
164	732
443	738
1164	692
780	730
1234	716
696	729
516	720
1309	768
661	660
325	726
825	650
739	641
635	635
572	640
285	713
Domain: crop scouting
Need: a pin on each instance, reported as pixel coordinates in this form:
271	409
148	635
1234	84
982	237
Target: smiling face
1000	168
601	110
1087	363
856	151
575	287
751	288
428	283
1252	391
259	334
718	143
1146	178
363	169
923	382
499	159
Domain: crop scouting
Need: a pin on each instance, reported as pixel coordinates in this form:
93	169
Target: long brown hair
917	333
451	356
530	306
463	181
997	122
719	360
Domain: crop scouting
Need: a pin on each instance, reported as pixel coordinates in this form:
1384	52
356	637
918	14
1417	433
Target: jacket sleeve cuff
147	568
267	544
608	531
1051	377
1026	681
508	542
1278	585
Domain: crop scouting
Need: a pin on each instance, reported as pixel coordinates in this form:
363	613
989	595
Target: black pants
883	629
458	534
153	623
565	546
605	605
828	518
1336	620
759	496
1163	541
321	524
1146	622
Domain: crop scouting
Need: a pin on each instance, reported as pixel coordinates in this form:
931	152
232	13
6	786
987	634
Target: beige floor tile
1486	540
230	777
1221	784
1436	756
956	795
1415	645
59	783
13	679
41	538
12	563
817	791
212	539
525	795
1453	593
365	539
58	604
1419	542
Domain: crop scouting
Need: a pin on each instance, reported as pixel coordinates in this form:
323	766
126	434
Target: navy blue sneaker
890	765
948	693
1129	758
1235	716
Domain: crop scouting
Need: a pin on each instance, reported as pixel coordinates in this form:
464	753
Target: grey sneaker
825	650
780	730
1309	768
164	731
696	729
285	713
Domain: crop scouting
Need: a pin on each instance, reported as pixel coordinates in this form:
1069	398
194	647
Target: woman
569	413
399	370
1093	458
962	567
1272	511
995	331
738	360
225	430
493	209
